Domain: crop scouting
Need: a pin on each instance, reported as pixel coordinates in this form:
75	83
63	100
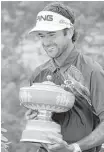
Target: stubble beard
63	50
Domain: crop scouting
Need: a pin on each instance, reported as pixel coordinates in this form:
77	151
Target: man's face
54	43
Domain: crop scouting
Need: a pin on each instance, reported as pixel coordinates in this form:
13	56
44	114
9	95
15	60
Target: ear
70	32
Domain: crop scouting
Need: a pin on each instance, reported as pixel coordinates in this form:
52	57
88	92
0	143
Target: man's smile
50	49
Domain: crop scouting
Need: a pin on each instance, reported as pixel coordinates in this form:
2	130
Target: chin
52	55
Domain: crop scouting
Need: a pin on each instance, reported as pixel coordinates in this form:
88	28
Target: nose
46	41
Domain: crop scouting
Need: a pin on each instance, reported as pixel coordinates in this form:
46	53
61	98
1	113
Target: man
55	29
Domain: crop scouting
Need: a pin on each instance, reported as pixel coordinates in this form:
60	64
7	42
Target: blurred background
21	54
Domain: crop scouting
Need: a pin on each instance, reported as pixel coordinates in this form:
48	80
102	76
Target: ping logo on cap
45	18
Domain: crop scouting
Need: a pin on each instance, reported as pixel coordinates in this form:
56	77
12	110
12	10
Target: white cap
51	21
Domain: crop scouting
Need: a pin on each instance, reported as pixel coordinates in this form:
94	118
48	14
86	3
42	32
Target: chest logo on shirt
75	74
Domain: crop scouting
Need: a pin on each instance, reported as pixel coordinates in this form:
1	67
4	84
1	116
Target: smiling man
83	126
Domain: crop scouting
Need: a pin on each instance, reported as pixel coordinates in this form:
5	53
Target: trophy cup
46	98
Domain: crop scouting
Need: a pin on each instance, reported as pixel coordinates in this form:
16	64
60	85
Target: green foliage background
20	54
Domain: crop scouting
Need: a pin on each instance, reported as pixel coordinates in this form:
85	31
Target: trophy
46	98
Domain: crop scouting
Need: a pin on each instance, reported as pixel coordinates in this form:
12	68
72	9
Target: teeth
50	48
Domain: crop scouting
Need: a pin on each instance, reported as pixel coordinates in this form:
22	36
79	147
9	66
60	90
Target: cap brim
47	28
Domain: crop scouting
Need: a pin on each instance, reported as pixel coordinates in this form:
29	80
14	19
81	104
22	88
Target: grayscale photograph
52	76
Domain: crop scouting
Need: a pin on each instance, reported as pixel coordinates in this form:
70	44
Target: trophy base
37	131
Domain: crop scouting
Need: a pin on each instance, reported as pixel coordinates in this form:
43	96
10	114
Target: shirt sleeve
35	76
97	92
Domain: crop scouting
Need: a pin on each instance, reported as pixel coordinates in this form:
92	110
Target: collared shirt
77	122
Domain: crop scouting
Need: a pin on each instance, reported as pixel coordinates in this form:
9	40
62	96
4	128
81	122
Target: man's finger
45	146
28	112
54	147
54	139
36	144
32	116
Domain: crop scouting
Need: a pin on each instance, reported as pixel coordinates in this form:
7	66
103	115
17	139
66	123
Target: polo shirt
78	122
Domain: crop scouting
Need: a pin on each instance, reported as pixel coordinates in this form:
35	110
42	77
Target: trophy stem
44	115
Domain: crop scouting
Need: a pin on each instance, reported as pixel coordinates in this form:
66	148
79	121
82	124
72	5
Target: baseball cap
50	21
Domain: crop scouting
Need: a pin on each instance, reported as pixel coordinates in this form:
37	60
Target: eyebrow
47	33
51	32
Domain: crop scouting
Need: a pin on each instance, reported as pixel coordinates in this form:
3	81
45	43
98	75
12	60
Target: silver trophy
46	98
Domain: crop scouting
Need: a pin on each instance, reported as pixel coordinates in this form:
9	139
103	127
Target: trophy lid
48	82
48	85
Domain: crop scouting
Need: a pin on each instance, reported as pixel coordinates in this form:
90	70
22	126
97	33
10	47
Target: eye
51	34
41	36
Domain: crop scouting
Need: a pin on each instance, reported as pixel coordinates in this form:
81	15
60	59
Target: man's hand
31	114
58	144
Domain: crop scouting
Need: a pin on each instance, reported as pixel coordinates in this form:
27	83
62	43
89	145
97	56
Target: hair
65	11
